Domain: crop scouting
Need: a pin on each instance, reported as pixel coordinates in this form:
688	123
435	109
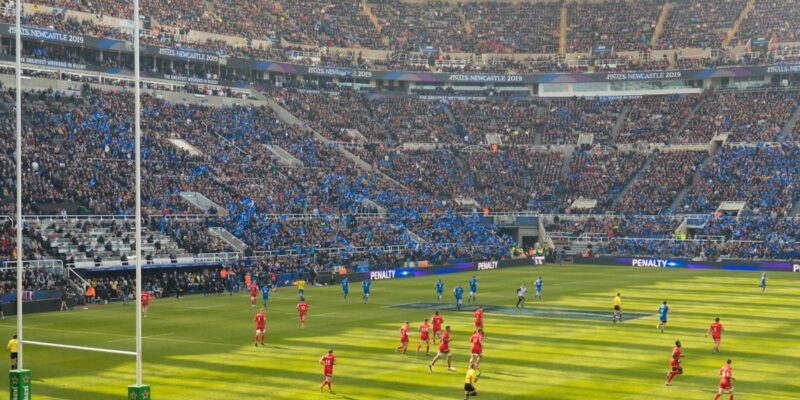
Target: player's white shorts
472	293
259	331
252	298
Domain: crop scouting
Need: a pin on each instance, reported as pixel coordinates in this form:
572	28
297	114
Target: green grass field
201	347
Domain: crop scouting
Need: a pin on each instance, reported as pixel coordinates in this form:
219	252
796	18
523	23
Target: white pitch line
67	346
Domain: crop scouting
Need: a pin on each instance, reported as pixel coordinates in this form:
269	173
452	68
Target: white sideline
66	346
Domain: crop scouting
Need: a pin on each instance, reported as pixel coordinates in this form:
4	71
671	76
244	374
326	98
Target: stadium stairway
415	237
660	24
688	118
228	237
751	4
562	29
465	21
682	194
538	134
202	203
565	166
788	129
618	123
286	116
450	116
283	156
367	11
636	177
795	209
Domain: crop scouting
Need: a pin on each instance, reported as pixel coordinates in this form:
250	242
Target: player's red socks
717	396
671	375
731	398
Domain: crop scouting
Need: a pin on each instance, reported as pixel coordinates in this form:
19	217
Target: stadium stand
518	27
699	24
565	120
661	182
409	27
748	116
776	19
618	25
421	165
655	119
598	175
764	176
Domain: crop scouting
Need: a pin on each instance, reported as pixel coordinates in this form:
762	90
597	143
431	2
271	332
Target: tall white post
138	134
18	38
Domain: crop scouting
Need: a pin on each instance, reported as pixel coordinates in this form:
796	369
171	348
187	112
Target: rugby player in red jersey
479	318
437	321
725	382
145	302
424	337
403	338
261	322
476	354
327	361
675	363
302	308
253	294
716	333
444	350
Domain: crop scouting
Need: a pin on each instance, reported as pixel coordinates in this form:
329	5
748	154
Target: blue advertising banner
182	54
51	36
730	265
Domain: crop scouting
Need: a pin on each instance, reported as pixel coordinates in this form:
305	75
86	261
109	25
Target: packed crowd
328	24
699	24
513	27
599	176
669	248
764	177
515	122
750	116
655	119
615	226
409	27
33	278
509	178
59	21
661	182
494	27
566	119
621	25
774	19
443	28
408	119
746	237
80	149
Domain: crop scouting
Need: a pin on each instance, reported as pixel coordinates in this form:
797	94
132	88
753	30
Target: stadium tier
409	179
308	143
517	37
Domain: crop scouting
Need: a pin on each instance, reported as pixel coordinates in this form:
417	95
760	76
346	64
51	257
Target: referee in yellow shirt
469	382
617	309
12	348
301	287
